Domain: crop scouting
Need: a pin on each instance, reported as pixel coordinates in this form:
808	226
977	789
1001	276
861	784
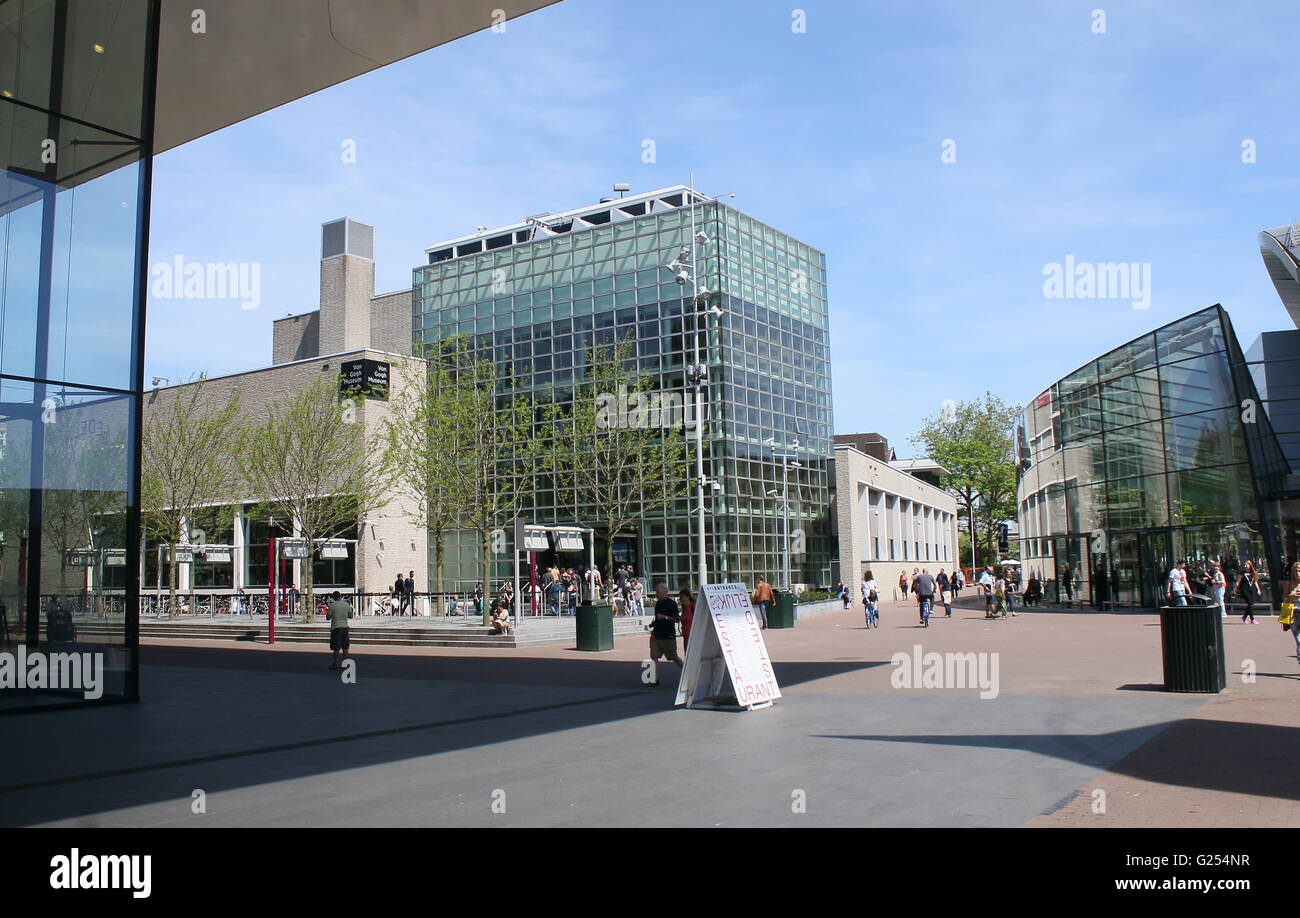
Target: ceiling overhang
255	55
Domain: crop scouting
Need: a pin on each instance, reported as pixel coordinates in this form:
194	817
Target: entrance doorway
1141	562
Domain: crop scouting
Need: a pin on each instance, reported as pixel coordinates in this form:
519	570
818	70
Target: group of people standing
1213	580
401	597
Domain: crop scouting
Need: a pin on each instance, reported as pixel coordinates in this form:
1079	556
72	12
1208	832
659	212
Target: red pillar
270	590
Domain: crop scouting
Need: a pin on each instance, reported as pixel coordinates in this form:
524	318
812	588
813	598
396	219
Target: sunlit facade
1157	451
539	295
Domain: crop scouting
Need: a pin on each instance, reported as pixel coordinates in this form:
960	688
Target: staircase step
426	633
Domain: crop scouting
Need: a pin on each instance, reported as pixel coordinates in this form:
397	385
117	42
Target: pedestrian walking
686	603
663	633
1219	588
903	583
1176	587
339	614
944	585
870	600
1002	591
762	600
1290	621
408	591
986	586
1248	591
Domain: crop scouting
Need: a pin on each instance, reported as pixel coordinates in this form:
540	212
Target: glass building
1157	451
538	296
76	118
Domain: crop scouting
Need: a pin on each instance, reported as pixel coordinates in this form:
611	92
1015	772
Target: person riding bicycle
924	587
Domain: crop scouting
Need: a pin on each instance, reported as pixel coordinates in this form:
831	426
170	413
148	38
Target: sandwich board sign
726	660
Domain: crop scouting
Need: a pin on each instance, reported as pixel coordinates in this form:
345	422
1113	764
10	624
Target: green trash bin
1191	645
595	626
781	613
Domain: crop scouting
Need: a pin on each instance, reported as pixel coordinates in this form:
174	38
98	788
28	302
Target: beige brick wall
395	538
347	283
854	472
390	322
295	338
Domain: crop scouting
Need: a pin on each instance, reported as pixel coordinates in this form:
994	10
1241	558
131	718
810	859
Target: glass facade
540	303
1155	452
76	102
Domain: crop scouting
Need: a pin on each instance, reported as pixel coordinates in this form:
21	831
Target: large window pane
1137	503
1212	438
1201	333
1216	495
1196	385
1131	399
1134	451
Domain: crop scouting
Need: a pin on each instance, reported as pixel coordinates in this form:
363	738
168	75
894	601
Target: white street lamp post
684	269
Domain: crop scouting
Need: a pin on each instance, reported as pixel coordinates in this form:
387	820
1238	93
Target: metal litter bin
595	626
1191	645
780	614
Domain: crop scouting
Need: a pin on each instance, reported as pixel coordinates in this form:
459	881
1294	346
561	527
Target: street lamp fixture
696	375
788	462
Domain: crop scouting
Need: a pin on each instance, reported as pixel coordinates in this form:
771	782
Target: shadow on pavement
1216	755
133	755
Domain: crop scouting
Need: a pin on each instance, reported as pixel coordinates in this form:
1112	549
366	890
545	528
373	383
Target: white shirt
1178	581
867	587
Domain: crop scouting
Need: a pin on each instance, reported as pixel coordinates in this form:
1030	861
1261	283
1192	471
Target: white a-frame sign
726	660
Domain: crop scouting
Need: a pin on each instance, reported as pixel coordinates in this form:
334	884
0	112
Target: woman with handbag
1288	619
1248	591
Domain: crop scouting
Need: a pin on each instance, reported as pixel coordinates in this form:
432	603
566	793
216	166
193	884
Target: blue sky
1117	147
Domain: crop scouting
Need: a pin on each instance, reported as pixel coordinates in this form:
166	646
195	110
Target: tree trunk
438	544
172	566
487	571
308	581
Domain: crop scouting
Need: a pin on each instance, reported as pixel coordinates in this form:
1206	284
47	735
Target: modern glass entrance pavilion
1157	451
90	90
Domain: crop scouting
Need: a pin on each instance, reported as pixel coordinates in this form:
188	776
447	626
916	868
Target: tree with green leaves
619	448
973	440
499	448
187	465
309	459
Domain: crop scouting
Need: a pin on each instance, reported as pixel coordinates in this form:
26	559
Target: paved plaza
553	736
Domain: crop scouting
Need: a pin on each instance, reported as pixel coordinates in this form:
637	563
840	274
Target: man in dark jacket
399	588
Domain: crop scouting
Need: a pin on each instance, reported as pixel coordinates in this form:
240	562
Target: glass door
1127	572
1157	557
